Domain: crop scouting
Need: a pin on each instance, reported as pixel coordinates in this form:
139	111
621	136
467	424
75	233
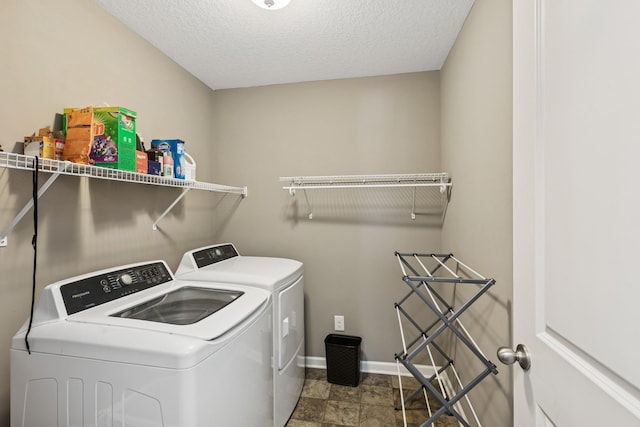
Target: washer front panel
111	285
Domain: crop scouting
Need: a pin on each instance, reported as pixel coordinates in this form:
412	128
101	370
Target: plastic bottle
167	165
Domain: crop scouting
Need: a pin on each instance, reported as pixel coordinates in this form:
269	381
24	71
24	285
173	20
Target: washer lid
264	272
205	311
183	306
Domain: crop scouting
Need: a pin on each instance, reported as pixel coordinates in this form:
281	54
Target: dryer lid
265	272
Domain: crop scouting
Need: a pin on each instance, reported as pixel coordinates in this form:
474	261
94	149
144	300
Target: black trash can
343	359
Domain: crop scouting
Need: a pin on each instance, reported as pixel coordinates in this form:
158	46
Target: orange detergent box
142	165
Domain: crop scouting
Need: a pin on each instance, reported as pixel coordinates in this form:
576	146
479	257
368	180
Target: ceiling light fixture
271	4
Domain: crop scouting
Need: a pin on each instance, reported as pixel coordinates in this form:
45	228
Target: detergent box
142	165
114	138
176	147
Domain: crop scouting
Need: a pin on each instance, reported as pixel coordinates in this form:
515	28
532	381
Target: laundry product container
343	359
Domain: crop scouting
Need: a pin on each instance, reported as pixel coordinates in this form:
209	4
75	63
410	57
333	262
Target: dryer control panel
213	254
108	286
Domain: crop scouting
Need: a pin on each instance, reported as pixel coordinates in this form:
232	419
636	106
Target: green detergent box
114	140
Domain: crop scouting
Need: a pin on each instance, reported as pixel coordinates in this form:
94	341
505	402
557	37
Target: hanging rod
441	180
414	181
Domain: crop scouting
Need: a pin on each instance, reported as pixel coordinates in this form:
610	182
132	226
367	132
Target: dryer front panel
290	310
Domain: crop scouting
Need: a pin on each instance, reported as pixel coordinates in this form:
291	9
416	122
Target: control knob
126	279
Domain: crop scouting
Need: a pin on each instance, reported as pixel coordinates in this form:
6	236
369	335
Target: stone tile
377	416
309	409
414	417
316	389
342	413
299	423
316	374
418	401
371	404
344	393
447	421
400	423
372	395
407	382
377	380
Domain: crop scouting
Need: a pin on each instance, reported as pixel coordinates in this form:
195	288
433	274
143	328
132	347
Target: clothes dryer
131	346
284	279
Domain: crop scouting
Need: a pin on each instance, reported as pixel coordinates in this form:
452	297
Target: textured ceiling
234	43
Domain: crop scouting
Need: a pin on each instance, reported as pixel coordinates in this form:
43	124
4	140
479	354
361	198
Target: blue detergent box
176	147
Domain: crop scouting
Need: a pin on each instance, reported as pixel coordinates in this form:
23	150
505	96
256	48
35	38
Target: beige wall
67	53
476	150
357	126
252	137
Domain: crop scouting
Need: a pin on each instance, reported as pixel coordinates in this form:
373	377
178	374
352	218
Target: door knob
521	355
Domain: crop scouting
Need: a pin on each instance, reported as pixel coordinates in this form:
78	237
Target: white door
577	212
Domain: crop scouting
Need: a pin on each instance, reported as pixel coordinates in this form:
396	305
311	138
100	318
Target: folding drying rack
423	273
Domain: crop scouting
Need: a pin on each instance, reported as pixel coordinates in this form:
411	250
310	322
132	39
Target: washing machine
284	279
132	346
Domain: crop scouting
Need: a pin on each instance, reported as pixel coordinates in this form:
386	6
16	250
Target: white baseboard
370	367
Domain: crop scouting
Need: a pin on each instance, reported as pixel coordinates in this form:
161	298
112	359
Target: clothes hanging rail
439	181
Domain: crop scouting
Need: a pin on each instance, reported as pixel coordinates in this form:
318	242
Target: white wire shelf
434	189
57	168
21	161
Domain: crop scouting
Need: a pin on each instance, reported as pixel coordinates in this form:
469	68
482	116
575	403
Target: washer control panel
93	291
213	254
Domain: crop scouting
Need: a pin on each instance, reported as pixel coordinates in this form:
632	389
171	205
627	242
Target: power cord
34	243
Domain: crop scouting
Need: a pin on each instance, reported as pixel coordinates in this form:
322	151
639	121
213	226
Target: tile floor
371	404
